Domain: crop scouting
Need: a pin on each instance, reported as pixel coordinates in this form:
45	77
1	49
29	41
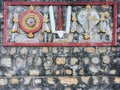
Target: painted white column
68	19
52	19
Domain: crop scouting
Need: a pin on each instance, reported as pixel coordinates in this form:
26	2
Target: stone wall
59	68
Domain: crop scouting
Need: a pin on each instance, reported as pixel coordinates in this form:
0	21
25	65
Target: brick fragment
3	81
68	80
14	81
117	80
90	50
60	61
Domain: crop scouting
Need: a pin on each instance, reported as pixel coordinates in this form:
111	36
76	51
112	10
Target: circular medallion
30	21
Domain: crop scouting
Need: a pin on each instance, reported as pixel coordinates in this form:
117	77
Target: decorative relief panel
60	24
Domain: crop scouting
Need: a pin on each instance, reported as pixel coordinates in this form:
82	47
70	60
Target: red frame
113	43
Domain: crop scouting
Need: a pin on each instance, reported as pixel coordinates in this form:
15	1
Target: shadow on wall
1	5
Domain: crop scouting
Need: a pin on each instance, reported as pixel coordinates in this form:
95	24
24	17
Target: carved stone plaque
60	23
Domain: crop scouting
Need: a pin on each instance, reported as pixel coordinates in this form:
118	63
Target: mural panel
60	23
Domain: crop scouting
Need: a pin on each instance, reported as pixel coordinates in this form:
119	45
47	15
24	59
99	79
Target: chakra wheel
31	21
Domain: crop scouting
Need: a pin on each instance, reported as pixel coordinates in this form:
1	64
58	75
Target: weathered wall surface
59	68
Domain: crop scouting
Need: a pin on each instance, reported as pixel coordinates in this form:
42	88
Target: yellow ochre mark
88	6
31	8
30	35
86	37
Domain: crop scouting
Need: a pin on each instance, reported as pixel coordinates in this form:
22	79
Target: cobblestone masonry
59	68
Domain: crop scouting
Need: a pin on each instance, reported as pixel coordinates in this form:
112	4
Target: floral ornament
88	18
30	21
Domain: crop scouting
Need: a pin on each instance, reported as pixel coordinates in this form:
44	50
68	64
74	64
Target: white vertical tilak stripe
68	19
52	19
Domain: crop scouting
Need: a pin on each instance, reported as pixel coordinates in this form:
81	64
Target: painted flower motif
31	22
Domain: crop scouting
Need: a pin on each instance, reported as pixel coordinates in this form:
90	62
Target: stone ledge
68	80
53	82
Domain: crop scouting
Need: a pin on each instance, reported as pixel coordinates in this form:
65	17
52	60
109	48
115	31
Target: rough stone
66	49
27	80
68	71
85	79
2	26
86	60
30	60
24	50
93	69
3	82
38	61
119	15
102	49
76	50
13	51
48	63
44	50
3	50
106	59
90	50
34	51
20	62
95	60
10	73
119	36
73	61
81	72
106	80
1	15
68	80
117	80
67	88
34	72
14	81
112	72
95	80
48	71
54	50
6	61
39	88
37	81
60	61
51	80
114	49
57	72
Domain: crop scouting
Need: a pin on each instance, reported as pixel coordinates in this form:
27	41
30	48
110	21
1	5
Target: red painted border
113	43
